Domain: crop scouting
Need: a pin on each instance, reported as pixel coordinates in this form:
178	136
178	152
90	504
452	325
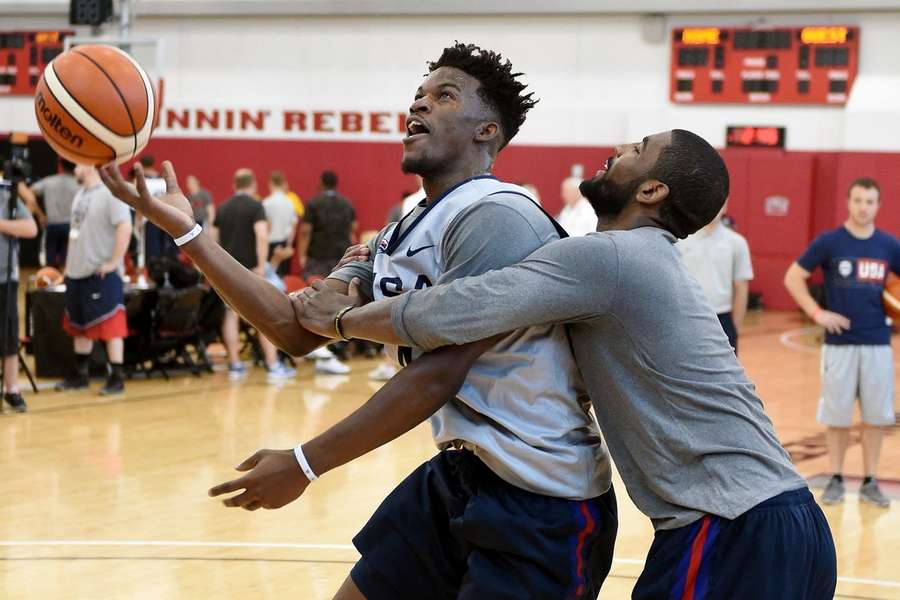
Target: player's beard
606	196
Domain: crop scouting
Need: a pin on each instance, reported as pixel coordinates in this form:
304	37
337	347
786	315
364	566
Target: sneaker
237	371
871	493
383	372
281	372
331	366
320	353
72	384
113	386
15	401
834	492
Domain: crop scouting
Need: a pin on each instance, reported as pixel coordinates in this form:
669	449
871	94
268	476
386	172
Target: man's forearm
20	228
435	378
795	283
257	301
739	305
120	246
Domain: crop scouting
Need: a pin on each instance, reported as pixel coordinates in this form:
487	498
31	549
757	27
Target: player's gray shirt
682	420
523	407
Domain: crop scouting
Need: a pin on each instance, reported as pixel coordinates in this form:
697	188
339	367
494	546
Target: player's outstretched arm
413	395
257	301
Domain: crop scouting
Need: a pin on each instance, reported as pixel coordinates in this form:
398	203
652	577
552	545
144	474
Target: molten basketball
47	277
95	105
891	297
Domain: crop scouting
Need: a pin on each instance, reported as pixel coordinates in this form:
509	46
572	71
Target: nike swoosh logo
411	252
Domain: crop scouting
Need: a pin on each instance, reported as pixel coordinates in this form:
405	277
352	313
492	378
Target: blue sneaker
280	372
237	371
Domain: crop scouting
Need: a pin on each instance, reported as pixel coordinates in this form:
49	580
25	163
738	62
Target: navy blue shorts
94	299
781	549
453	529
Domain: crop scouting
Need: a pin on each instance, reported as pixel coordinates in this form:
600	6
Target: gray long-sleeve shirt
681	419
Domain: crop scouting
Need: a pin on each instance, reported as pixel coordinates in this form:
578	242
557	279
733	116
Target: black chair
174	326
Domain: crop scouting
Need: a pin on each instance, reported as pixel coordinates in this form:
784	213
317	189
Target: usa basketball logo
845	268
870	271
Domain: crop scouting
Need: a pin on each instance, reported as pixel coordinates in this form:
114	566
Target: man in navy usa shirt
856	259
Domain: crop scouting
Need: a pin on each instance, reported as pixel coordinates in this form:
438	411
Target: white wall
599	78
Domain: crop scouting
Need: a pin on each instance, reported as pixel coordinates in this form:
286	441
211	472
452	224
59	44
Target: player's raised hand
320	304
274	480
172	211
833	322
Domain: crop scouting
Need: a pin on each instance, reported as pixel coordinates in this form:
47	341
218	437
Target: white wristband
181	241
304	464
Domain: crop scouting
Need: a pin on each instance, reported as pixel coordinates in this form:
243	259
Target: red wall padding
369	173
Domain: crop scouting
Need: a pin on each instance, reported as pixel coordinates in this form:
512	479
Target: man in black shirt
328	222
241	229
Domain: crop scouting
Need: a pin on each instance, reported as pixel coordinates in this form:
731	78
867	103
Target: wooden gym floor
106	498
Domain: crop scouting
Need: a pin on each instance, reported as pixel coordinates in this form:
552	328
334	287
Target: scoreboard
23	56
786	65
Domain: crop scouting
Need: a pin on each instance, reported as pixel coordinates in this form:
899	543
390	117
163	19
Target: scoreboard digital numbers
781	65
23	56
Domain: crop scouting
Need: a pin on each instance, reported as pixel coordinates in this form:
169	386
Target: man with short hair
11	230
691	440
577	217
57	191
242	230
282	218
329	221
719	258
99	234
518	502
857	360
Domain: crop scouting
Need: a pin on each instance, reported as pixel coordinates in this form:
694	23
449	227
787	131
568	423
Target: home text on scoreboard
779	65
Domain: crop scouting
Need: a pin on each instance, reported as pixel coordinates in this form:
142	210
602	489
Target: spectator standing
99	232
282	218
201	201
577	216
242	230
157	243
57	192
720	260
22	226
328	225
857	360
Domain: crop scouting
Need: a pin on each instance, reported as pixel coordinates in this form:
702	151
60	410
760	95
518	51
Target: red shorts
114	327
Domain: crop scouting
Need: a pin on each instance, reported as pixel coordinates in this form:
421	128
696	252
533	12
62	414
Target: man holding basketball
518	503
857	360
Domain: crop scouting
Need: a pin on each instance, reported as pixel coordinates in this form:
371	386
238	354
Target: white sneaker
320	353
331	366
280	372
383	372
237	371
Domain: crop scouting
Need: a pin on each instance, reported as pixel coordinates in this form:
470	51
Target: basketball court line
295	546
786	339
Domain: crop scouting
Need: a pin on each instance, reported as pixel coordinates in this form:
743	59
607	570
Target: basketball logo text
55	123
870	271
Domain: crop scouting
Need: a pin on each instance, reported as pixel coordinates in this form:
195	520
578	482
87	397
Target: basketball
891	298
95	105
47	277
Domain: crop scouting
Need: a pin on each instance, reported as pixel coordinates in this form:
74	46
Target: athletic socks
838	477
82	364
868	479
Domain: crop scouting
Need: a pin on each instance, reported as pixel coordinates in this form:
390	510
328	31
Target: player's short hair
868	183
147	161
277	178
243	178
328	180
500	89
697	179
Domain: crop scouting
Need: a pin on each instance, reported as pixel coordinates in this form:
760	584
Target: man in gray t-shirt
11	229
683	423
58	192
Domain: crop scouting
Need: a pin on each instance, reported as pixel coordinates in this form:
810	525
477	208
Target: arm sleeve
260	213
363	270
118	211
38	186
743	267
570	280
309	214
816	255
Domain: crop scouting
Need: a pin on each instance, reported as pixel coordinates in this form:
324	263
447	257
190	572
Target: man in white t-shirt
577	216
719	258
282	218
